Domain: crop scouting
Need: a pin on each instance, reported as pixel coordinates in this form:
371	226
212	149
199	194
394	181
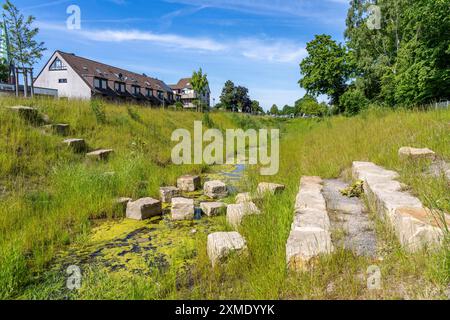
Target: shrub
353	101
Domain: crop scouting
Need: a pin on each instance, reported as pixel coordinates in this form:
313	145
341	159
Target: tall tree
243	100
227	98
326	69
256	107
200	84
274	110
25	51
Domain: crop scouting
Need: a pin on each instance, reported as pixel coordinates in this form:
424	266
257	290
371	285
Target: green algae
120	251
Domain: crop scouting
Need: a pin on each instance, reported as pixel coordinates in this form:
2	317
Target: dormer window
136	90
149	92
119	86
57	65
100	83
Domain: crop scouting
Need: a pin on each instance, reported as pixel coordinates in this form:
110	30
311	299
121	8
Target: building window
160	95
100	83
136	89
57	65
119	86
62	80
149	92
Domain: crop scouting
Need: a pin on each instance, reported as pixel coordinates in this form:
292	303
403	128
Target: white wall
75	88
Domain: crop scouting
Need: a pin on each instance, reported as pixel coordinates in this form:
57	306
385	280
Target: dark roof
89	68
184	83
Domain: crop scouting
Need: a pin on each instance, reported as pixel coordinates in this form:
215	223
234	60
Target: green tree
308	105
256	107
274	110
228	98
4	72
243	100
200	84
326	68
353	101
25	51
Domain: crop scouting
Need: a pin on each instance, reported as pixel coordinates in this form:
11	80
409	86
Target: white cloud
170	40
272	50
268	50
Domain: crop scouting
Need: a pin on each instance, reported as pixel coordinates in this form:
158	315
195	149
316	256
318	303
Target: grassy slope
52	194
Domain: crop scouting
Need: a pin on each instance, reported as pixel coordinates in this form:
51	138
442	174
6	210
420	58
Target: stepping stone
406	153
215	189
144	208
386	197
213	208
61	129
350	216
28	113
78	145
189	183
183	209
310	234
439	169
237	212
243	198
167	193
272	188
102	154
222	244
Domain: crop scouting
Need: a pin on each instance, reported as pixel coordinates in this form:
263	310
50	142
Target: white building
80	78
185	93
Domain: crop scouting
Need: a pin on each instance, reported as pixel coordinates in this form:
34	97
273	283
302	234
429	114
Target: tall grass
52	196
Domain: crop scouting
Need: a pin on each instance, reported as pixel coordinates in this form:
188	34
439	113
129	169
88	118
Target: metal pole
16	80
32	85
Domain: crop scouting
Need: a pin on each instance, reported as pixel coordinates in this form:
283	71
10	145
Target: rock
416	154
213	208
78	145
144	208
215	189
243	198
440	169
27	113
189	183
182	209
237	212
222	244
61	129
310	232
402	210
102	154
349	216
272	188
167	193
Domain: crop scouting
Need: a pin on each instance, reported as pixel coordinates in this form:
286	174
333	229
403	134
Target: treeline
397	53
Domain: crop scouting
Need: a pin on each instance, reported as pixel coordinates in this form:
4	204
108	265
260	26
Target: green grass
53	198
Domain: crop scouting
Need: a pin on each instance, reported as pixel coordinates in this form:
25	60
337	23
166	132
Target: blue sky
258	44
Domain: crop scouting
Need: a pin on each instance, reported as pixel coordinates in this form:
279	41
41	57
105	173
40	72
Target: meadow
53	199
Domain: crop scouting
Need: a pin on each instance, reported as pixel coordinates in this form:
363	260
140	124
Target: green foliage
274	110
235	98
308	105
99	111
4	72
353	101
356	190
326	69
179	105
25	51
256	107
407	62
200	84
